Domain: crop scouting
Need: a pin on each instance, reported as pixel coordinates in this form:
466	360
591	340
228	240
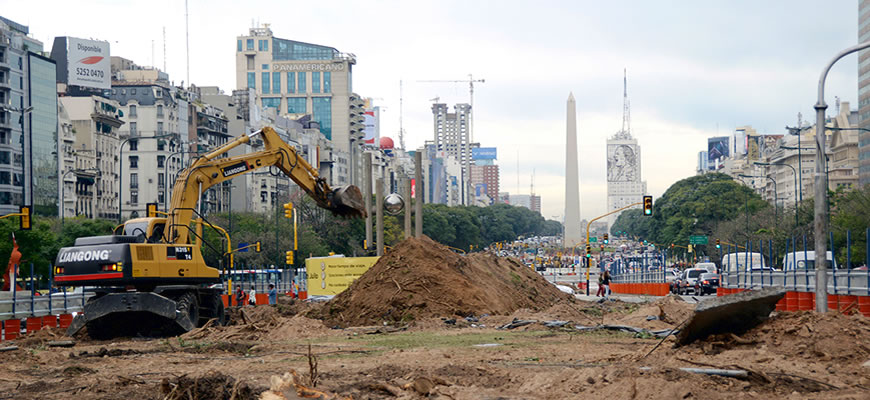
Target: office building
452	136
864	94
298	78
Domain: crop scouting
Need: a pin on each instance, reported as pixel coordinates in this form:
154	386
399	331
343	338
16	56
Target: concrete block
736	314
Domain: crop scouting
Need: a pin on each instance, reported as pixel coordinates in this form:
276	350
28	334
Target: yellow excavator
149	277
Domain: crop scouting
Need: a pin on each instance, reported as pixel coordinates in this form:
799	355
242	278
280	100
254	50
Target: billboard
484	153
88	63
717	149
480	189
329	276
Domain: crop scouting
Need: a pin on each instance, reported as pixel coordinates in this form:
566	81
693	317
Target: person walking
252	296
273	294
606	283
601	291
240	296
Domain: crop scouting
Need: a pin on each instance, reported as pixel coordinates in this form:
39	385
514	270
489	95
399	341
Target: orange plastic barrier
864	305
65	320
33	324
49	321
833	300
806	301
847	304
262	298
791	301
303	294
11	328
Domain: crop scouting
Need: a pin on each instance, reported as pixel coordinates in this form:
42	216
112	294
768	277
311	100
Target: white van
742	261
710	267
805	260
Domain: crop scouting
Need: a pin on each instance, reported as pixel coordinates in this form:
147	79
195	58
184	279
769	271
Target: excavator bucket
348	202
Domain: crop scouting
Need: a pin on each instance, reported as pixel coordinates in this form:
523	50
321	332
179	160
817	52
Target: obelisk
573	231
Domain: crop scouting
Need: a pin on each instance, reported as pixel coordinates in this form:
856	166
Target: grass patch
413	340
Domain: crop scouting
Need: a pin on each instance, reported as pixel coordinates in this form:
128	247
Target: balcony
4	63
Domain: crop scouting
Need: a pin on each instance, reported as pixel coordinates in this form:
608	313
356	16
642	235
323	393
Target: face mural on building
621	163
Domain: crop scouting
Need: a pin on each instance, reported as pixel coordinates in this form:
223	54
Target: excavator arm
209	170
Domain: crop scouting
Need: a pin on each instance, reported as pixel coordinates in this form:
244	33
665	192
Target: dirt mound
420	278
40	337
827	337
250	324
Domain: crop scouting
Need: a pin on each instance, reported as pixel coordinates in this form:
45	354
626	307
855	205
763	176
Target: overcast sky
695	68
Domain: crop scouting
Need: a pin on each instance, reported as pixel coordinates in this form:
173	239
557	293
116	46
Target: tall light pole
774	190
821	190
63	189
795	188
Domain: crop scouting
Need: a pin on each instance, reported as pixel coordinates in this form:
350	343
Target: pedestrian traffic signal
588	251
606	239
288	210
718	246
25	218
257	246
288	257
647	205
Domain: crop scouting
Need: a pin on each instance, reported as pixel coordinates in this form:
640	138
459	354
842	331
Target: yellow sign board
331	275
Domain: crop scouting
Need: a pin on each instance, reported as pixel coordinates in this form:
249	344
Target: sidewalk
628	298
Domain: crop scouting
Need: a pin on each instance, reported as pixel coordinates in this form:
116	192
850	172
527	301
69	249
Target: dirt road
794	355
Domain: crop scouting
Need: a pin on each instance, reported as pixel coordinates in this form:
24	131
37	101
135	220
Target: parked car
687	282
706	283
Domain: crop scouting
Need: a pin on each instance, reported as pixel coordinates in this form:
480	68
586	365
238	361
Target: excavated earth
408	345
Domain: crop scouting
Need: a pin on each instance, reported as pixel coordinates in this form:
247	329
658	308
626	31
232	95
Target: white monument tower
624	185
573	231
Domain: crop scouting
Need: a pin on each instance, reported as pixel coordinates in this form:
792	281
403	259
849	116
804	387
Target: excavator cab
146	230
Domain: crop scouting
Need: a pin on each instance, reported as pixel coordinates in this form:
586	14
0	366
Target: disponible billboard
484	153
89	63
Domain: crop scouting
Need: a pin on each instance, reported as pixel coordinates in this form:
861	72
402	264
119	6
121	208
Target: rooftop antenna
164	48
152	54
187	41
401	128
626	106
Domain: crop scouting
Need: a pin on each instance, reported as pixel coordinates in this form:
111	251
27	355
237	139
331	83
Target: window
276	82
5	178
250	44
160	179
250	60
239	45
160	128
4	157
264	45
274	102
132	91
315	82
327	82
291	82
322	113
296	105
134	181
160	145
252	80
265	66
134	161
160	161
159	111
134	144
134	196
132	133
132	111
160	198
265	83
301	82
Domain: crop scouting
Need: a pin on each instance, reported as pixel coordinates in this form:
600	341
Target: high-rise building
624	184
864	94
572	229
298	78
485	175
451	135
28	123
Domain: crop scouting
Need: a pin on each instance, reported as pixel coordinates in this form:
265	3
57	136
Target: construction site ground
355	349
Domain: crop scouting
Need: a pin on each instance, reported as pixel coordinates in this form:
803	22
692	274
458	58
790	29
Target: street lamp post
121	166
774	190
821	192
795	188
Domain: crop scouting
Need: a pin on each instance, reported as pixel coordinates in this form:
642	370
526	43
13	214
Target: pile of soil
421	278
808	335
663	313
249	324
213	385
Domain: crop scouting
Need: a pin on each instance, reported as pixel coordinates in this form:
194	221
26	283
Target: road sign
698	239
593	239
241	245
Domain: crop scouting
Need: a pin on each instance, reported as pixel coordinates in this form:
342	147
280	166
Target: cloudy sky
695	68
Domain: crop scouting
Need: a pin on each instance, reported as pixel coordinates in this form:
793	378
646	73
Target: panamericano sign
89	63
308	67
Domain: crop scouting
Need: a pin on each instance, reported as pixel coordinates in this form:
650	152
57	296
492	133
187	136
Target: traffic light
690	248
288	257
647	205
588	251
151	210
288	210
606	239
718	246
257	246
672	245
25	218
